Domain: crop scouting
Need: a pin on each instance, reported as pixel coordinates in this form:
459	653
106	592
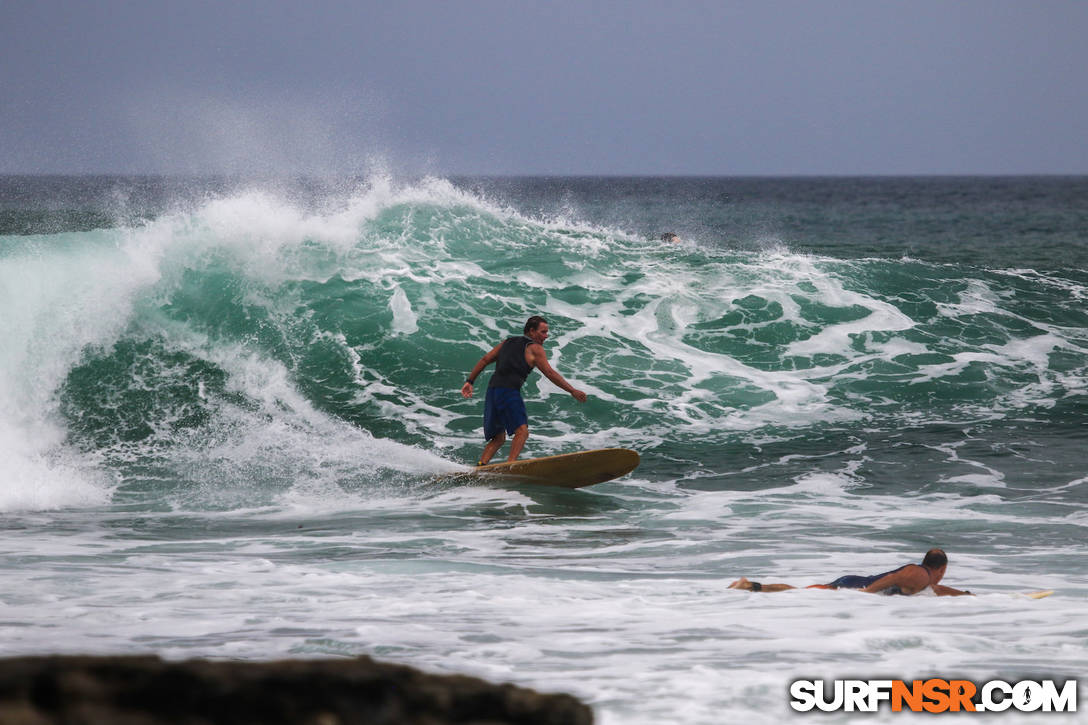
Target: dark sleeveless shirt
511	368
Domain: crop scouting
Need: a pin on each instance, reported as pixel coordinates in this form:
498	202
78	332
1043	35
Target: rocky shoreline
146	690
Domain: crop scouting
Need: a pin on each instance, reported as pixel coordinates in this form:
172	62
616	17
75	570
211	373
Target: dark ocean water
223	402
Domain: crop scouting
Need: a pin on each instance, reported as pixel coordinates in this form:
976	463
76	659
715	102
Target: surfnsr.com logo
933	695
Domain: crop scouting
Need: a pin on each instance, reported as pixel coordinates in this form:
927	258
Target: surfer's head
935	559
534	322
536	329
935	563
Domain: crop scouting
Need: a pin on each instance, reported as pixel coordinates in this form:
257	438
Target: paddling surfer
908	579
504	410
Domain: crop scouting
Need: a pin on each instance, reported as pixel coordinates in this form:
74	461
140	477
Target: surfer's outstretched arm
942	591
540	360
466	389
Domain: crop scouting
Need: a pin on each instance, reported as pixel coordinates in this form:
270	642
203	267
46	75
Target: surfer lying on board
907	579
504	408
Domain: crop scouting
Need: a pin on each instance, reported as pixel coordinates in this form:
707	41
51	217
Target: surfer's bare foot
741	583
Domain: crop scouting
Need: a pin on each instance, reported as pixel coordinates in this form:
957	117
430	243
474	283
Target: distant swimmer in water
670	237
503	407
907	579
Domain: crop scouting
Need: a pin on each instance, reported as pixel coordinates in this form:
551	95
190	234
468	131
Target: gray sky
545	87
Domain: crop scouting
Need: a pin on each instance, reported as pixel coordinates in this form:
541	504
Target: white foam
976	299
37	476
404	319
627	626
70	293
286	439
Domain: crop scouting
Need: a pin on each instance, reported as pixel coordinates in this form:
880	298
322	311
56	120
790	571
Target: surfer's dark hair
534	322
935	559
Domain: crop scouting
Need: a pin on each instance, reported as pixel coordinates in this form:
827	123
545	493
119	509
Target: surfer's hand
578	395
466	390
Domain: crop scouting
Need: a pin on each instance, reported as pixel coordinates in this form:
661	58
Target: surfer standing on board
504	410
908	579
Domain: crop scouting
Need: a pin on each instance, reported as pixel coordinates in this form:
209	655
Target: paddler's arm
942	591
540	360
466	389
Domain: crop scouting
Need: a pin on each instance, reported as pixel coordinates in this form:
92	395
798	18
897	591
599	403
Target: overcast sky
545	87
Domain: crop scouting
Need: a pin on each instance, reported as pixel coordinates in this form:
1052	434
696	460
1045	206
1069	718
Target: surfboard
568	470
1039	594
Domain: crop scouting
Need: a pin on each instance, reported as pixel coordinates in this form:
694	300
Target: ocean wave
247	337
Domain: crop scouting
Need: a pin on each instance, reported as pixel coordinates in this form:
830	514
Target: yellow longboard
1039	594
569	470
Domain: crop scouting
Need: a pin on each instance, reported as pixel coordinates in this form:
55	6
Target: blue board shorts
852	581
503	409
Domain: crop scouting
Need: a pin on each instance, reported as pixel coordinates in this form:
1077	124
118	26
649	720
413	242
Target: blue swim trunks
852	581
503	408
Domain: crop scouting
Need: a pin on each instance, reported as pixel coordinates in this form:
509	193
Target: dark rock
85	690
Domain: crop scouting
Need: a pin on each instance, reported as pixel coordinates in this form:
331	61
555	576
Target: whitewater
222	415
